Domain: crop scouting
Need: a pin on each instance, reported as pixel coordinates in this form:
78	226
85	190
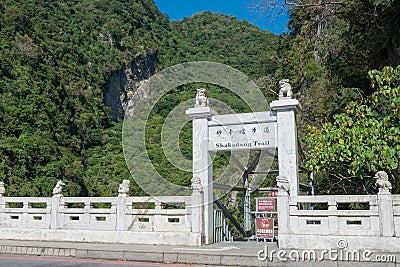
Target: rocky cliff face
121	93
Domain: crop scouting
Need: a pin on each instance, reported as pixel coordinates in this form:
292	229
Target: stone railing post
121	213
333	220
54	211
55	205
196	206
158	216
2	205
283	212
2	189
123	191
283	205
385	209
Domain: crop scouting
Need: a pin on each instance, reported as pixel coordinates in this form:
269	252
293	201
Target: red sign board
265	228
265	204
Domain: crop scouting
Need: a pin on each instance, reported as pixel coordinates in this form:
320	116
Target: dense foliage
223	39
331	47
346	123
56	59
362	140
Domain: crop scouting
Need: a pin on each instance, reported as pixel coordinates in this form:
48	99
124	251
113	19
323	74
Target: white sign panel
242	134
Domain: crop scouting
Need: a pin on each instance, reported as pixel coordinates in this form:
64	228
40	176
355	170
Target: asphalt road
26	261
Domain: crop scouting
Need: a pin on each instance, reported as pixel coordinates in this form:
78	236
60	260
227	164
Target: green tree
362	140
329	48
55	60
223	39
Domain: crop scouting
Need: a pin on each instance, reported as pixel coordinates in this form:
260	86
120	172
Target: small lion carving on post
285	90
382	180
201	98
57	190
124	187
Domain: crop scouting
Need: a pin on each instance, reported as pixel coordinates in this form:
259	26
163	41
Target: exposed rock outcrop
121	93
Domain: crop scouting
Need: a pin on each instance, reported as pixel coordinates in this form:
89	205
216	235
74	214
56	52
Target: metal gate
221	228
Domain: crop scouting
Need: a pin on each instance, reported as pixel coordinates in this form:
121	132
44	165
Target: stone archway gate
259	130
130	220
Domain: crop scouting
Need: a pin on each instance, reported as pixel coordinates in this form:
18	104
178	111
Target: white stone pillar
2	189
333	220
385	209
196	206
287	141
283	212
2	205
54	212
202	164
121	213
157	217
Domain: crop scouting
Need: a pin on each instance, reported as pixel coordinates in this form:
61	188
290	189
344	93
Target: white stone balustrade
331	219
122	219
22	212
396	214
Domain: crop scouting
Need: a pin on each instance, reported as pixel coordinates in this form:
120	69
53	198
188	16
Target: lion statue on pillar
201	98
124	187
285	90
382	180
57	190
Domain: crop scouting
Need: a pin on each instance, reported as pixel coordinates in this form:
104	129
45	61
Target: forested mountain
59	61
68	70
223	39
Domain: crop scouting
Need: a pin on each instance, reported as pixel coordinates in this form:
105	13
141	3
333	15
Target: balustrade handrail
293	200
106	213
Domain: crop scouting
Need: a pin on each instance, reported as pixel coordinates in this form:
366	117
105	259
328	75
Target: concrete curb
38	251
164	257
184	257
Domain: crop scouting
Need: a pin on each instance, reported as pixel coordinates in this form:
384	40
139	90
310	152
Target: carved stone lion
57	190
201	98
124	187
285	90
283	183
382	180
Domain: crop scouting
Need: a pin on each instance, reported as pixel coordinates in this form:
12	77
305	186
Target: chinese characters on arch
242	131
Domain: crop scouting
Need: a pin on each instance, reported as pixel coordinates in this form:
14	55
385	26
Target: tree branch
288	3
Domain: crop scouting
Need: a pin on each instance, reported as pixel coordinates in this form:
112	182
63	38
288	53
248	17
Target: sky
241	9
